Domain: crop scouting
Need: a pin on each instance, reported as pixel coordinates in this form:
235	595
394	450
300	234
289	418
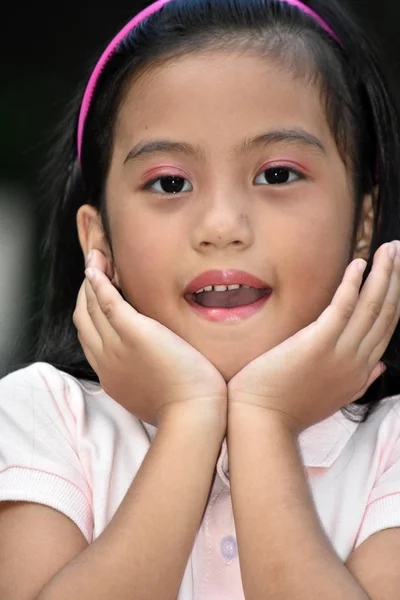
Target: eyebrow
295	136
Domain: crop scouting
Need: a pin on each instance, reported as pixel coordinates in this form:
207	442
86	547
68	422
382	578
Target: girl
206	416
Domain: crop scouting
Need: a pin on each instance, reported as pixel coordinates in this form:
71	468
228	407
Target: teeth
221	288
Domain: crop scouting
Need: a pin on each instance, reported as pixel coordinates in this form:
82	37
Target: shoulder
41	410
34	379
40	391
61	439
42	386
41	401
28	375
40	454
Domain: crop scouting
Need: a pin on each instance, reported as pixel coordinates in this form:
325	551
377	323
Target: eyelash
299	175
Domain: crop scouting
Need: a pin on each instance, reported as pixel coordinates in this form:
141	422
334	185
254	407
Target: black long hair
359	108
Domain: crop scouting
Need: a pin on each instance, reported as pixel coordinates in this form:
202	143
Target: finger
90	356
96	314
87	332
99	261
119	314
380	335
379	369
387	320
335	318
371	310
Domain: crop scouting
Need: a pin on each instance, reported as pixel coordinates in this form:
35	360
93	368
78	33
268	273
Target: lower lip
229	314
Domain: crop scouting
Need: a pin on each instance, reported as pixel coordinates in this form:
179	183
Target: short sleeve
383	509
39	456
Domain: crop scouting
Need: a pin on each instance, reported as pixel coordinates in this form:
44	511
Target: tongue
230	298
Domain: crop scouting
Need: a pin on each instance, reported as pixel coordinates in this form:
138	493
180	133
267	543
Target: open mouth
221	296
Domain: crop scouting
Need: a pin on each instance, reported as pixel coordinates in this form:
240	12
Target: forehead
220	97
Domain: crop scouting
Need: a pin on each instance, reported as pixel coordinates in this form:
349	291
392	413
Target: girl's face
295	235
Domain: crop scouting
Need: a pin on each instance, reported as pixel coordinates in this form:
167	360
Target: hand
333	361
140	363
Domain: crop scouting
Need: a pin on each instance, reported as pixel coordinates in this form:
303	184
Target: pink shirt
66	444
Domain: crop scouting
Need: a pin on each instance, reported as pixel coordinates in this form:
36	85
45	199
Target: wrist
253	416
207	416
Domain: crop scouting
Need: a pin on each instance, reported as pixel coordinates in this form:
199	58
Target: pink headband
109	51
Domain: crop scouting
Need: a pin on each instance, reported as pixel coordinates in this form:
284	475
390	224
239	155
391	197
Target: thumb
100	261
379	369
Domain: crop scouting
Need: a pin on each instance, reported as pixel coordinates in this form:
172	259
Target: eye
169	184
279	175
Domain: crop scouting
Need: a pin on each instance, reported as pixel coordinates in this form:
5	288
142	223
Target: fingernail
392	251
361	264
89	274
89	257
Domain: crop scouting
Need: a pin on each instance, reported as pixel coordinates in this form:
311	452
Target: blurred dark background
46	51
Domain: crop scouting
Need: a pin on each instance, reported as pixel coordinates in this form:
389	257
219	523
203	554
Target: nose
223	220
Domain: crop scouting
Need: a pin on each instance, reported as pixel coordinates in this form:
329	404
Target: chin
231	365
227	372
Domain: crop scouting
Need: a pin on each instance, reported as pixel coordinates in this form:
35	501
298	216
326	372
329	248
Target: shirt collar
319	445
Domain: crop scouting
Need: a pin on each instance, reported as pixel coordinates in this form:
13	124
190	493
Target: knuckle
119	353
107	303
76	318
91	308
374	309
108	308
347	311
390	312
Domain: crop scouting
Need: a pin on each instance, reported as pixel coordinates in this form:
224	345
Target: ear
365	229
92	237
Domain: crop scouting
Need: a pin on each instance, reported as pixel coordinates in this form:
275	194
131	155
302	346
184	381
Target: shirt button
229	548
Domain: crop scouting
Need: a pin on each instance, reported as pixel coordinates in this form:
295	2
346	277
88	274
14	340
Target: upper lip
225	277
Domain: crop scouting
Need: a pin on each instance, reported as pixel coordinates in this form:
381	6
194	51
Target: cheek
314	269
144	257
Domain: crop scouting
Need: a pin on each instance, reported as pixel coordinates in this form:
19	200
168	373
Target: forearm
284	552
143	552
